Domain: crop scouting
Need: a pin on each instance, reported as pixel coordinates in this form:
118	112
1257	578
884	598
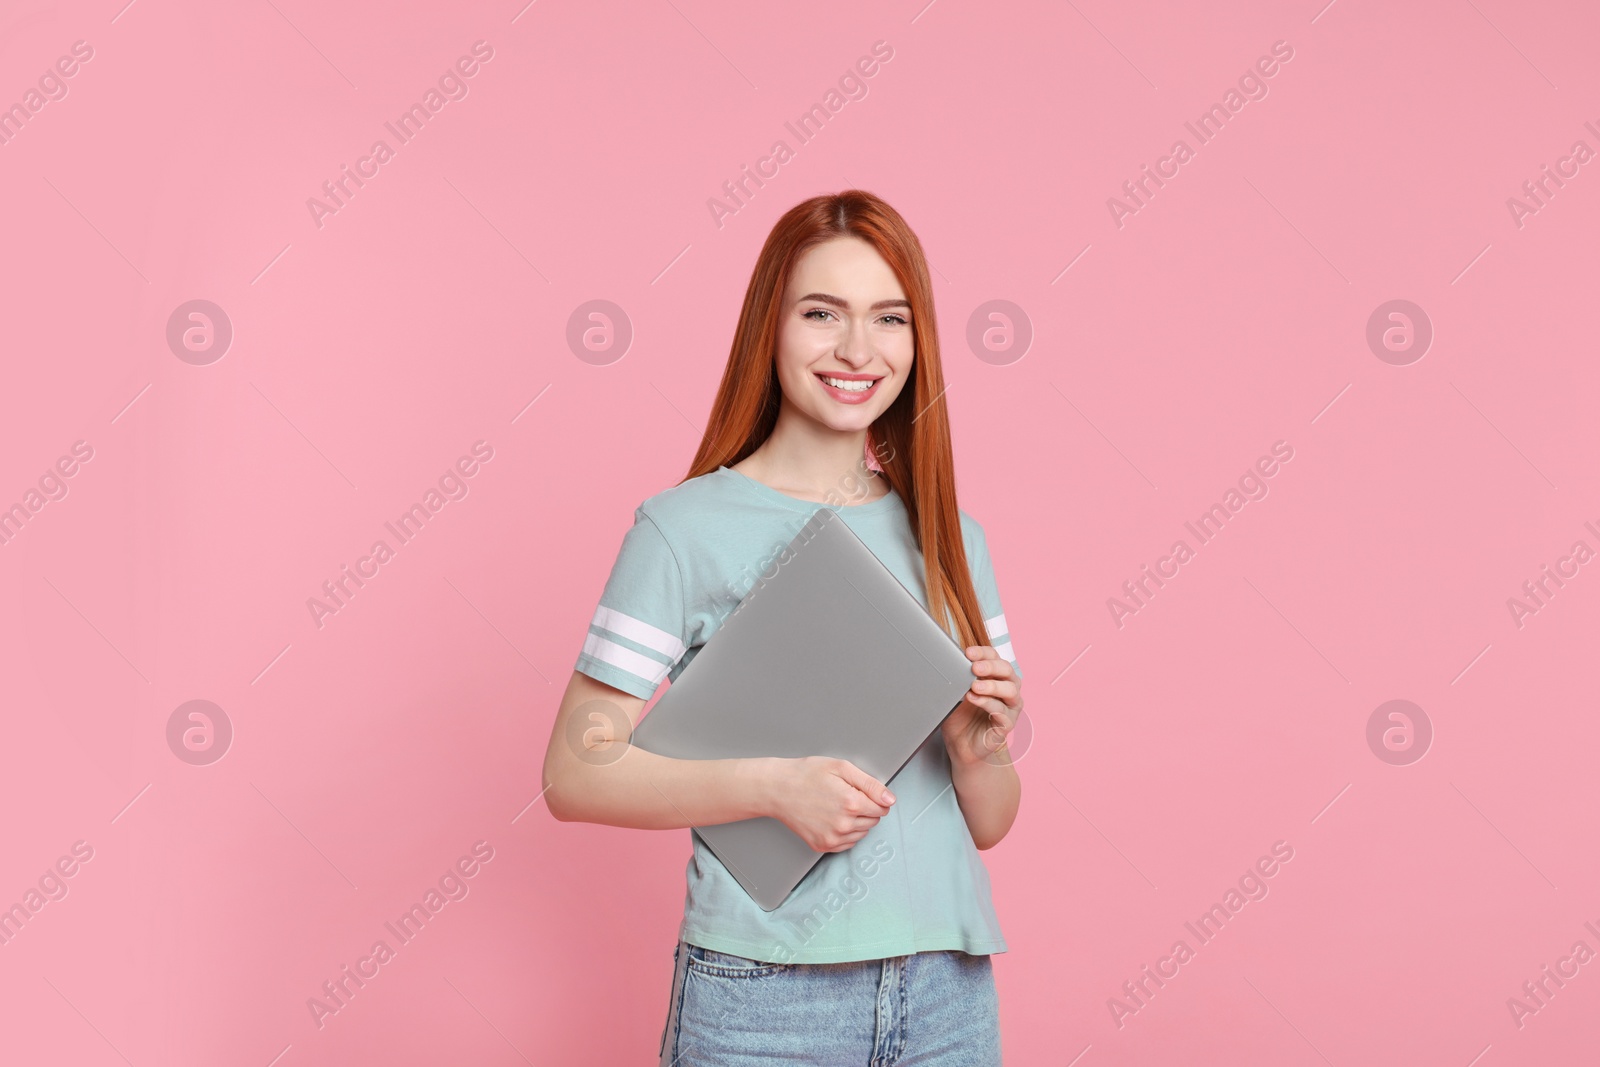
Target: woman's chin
853	420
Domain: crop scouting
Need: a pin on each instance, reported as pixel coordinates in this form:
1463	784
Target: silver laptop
831	656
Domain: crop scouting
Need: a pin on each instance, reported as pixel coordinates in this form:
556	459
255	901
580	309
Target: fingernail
888	797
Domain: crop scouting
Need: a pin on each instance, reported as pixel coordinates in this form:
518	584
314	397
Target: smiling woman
835	358
844	256
845	348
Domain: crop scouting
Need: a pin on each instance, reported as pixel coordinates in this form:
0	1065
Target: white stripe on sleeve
637	630
625	659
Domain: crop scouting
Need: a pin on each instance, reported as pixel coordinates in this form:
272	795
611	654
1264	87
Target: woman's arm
989	795
976	736
593	777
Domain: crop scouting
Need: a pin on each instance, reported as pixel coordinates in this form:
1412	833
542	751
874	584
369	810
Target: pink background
431	311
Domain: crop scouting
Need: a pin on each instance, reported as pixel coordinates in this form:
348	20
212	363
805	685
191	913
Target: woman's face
845	318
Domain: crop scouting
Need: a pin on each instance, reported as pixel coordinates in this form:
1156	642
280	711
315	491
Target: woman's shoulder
690	502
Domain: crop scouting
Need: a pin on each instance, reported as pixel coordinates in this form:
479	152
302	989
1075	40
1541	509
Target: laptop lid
831	656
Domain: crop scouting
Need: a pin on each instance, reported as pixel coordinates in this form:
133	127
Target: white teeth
860	386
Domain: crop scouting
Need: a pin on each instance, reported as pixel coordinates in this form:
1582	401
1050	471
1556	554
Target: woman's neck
814	463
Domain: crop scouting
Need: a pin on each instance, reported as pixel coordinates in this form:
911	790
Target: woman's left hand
982	722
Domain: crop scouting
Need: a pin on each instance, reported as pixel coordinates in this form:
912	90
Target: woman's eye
892	319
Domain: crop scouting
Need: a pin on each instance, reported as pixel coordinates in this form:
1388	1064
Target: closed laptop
830	656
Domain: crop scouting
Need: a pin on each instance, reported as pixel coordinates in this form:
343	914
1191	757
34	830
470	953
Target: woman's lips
845	396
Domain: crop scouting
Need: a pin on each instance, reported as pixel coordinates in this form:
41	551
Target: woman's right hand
829	803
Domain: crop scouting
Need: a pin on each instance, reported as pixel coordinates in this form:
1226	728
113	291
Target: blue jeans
931	1009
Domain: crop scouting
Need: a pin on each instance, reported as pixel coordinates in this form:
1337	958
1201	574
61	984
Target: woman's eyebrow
839	302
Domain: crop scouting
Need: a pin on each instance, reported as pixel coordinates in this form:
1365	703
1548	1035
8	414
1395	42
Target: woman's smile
849	388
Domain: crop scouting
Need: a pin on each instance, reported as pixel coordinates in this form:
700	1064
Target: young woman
832	397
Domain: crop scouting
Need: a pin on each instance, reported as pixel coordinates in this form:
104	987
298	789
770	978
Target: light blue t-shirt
916	882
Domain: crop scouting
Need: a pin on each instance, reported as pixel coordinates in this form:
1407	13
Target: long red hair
910	440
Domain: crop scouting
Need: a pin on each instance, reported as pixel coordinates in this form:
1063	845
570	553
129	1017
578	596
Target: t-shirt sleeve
994	616
637	633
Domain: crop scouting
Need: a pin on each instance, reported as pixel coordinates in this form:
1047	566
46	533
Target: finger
999	703
861	805
995	666
1006	689
872	809
997	685
849	840
874	790
997	709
